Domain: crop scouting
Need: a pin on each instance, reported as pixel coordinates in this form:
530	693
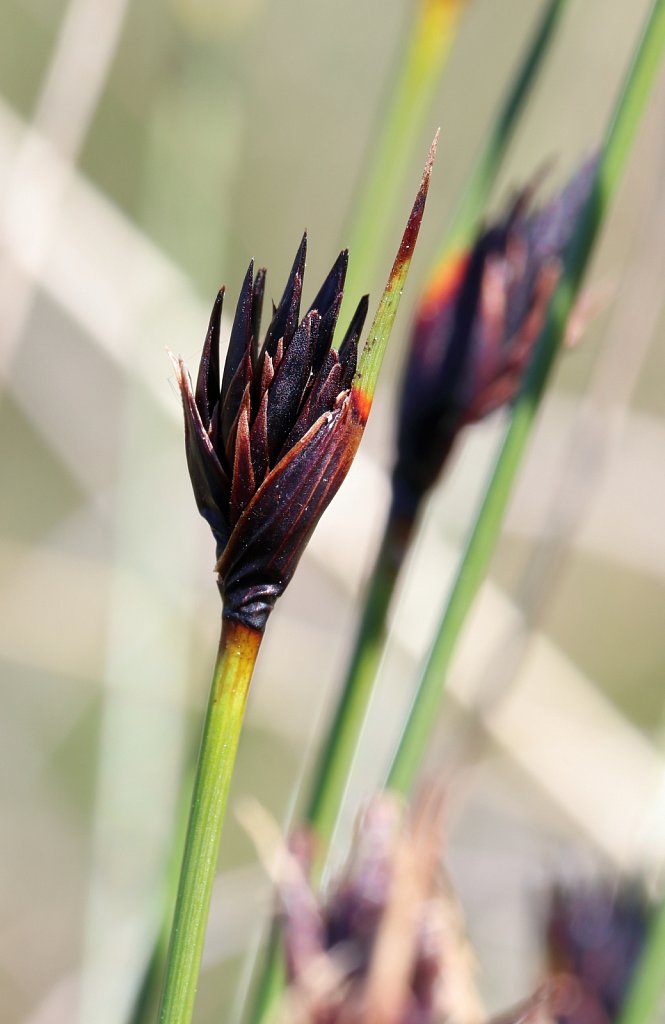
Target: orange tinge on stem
240	644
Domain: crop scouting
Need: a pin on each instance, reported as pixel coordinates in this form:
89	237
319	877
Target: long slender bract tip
176	362
433	147
372	354
430	160
410	236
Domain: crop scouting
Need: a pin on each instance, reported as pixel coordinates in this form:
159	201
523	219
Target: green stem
481	544
145	1002
335	762
464	224
331	774
238	648
424	56
272	978
645	995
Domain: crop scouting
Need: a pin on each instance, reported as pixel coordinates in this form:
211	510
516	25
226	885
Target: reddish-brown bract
269	538
269	445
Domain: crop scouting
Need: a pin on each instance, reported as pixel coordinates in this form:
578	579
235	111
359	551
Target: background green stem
421	63
645	995
337	753
464	223
339	746
480	547
238	648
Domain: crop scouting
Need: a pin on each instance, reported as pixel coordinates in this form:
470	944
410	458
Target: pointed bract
257	310
285	316
241	331
348	350
327	304
207	382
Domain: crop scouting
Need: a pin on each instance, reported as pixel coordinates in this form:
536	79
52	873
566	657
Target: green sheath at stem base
238	648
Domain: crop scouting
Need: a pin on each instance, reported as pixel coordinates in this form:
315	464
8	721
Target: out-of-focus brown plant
474	332
378	948
595	935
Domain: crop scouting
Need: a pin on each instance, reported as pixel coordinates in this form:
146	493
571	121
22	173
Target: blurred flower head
475	329
595	935
269	446
387	943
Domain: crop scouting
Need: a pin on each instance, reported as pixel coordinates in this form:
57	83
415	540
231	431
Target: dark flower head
387	943
269	445
595	935
277	435
475	329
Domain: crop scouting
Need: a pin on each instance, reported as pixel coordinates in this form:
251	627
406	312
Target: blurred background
147	151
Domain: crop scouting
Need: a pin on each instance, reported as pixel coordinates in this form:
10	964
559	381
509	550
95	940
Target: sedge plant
267	448
421	60
474	334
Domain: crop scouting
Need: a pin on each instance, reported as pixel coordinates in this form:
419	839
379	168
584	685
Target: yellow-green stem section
430	40
238	648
